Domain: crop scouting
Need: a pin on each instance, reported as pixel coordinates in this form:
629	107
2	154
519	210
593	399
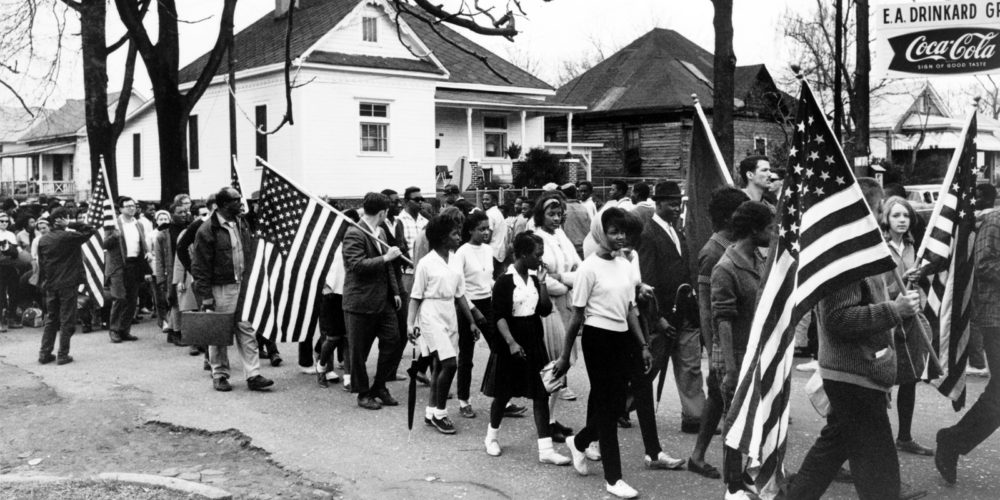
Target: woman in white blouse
475	259
560	261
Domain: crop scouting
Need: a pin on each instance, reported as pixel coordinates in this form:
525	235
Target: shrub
538	168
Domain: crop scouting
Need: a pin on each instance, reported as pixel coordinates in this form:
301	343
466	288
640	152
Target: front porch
38	170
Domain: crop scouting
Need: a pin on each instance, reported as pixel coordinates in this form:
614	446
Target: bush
538	168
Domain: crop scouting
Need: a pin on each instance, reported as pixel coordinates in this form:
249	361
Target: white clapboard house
378	107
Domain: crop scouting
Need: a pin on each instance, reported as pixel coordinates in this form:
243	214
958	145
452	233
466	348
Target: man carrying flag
828	244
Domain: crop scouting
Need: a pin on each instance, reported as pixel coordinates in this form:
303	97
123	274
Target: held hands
645	291
392	254
907	304
647	360
561	367
516	350
476	333
912	276
413	333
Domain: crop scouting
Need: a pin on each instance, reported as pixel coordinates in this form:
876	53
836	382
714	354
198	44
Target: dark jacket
114	262
668	273
184	241
60	258
212	259
735	282
370	282
397	239
708	257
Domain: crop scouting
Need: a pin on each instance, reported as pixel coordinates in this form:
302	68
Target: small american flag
947	255
296	244
100	212
234	175
827	239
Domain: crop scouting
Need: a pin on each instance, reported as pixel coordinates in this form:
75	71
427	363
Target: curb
171	483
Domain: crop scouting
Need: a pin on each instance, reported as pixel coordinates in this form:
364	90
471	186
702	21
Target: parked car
922	197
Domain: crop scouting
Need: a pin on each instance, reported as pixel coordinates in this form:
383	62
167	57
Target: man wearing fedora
663	261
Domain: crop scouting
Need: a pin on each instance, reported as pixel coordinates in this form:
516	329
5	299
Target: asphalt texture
323	434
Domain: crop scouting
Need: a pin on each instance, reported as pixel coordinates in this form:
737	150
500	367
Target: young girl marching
438	293
520	299
475	259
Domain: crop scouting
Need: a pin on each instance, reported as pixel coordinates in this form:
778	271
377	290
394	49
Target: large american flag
295	245
946	253
827	239
100	213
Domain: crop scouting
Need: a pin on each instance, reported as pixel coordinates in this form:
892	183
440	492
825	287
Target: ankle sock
429	412
544	444
492	433
439	414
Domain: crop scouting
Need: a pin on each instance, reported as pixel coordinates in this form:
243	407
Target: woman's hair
887	207
546	200
471	221
438	231
454	215
750	216
616	217
526	243
724	202
633	230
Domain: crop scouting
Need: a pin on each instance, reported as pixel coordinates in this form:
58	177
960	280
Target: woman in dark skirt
520	299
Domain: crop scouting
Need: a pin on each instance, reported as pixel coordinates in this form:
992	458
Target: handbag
549	380
207	328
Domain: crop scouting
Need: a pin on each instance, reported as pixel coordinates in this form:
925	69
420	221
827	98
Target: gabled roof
898	100
657	72
62	122
263	44
14	122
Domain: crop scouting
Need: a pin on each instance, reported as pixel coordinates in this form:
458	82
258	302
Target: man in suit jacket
395	235
664	266
371	300
125	268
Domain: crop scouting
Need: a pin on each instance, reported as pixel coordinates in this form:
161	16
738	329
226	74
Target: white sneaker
663	462
579	459
567	395
551	456
808	367
740	495
332	376
593	452
307	370
977	372
493	448
621	490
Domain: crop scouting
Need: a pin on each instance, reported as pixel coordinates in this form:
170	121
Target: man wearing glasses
127	264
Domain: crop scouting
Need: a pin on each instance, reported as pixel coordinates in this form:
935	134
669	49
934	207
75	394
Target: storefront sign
936	38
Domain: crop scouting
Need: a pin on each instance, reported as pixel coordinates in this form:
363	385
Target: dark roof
263	44
657	72
64	121
340	59
497	98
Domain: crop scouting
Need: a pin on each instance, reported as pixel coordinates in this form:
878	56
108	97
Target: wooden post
524	135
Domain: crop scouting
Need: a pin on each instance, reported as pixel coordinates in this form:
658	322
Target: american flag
946	253
234	176
296	242
827	239
101	211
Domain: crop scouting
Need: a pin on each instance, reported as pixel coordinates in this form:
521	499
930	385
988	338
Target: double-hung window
374	127
494	136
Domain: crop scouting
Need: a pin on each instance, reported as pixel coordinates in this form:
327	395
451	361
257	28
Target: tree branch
288	118
136	31
465	20
18	96
125	96
75	5
143	8
222	43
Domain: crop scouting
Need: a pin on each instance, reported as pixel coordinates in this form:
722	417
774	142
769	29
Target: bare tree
32	37
724	78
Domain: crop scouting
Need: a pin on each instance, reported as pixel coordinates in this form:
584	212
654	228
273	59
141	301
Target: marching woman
561	261
911	356
438	294
475	259
604	304
520	299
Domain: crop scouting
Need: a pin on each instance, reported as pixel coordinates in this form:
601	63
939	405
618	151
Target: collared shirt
498	227
411	228
130	231
626	204
670	231
236	243
591	207
377	232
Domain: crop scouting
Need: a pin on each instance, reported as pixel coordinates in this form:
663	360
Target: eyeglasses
131	205
418	199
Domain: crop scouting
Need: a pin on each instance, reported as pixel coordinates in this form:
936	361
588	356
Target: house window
374	127
136	155
193	162
369	29
760	145
261	121
494	136
633	139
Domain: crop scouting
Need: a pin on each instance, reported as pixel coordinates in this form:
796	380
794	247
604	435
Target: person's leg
496	412
871	451
466	346
246	342
541	412
829	451
977	353
306	350
442	383
218	359
400	344
710	417
984	417
360	338
687	373
385	327
906	398
133	281
641	388
67	319
51	326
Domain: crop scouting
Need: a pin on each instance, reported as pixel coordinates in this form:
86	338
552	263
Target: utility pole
838	75
862	89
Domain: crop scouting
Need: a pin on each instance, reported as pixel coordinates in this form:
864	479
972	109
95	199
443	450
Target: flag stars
802	126
840	180
813	156
824	175
792	152
829	159
797	168
809	172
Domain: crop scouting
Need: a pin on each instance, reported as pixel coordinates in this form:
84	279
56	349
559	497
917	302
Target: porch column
468	124
569	133
524	119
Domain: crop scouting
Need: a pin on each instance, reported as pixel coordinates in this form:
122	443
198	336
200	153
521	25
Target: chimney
281	7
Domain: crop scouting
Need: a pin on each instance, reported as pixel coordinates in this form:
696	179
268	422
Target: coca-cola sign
946	51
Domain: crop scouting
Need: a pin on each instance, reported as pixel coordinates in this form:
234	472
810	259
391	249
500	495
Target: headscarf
598	234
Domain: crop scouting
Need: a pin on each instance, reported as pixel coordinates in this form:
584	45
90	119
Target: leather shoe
624	422
276	359
914	447
115	337
64	360
386	398
690	427
321	379
906	492
946	460
129	337
369	403
259	383
705	470
221	384
46	359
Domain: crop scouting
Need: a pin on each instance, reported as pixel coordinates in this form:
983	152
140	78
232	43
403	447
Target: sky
554	32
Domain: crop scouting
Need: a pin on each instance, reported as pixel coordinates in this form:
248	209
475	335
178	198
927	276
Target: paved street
323	434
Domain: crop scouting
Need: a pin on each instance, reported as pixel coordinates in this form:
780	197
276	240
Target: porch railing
24	189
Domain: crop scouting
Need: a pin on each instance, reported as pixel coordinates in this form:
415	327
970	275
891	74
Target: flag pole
330	207
711	140
243	197
118	222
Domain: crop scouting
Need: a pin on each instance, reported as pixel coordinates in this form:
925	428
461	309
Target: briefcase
207	328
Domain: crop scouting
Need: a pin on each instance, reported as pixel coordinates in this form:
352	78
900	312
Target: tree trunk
171	128
862	88
100	135
724	79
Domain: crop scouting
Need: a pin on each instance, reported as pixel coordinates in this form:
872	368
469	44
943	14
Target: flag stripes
827	239
101	211
294	253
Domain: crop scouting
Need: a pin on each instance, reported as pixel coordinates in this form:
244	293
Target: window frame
373	120
493	130
629	144
757	151
369	29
